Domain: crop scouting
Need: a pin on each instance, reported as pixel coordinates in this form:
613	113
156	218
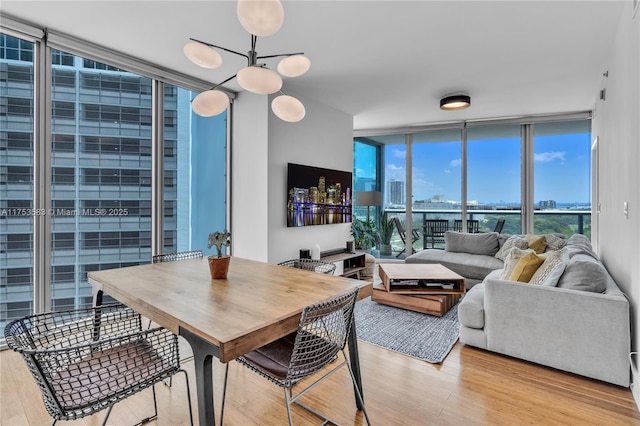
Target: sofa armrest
576	331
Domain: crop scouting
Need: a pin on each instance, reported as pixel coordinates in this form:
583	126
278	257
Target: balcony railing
567	222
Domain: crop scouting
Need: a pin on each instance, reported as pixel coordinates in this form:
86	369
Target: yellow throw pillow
537	243
526	267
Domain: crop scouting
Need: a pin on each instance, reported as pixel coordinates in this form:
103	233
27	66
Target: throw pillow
584	273
518	241
551	269
555	242
526	267
537	242
483	243
510	262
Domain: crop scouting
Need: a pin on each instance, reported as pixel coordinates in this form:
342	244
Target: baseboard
635	380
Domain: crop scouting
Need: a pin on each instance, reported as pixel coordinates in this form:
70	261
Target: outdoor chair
499	225
87	360
473	226
415	236
321	336
434	230
310	265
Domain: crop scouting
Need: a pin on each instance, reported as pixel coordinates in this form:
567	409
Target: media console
348	264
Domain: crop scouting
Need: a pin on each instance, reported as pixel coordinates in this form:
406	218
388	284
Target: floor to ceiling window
98	203
494	176
16	178
562	177
194	173
489	171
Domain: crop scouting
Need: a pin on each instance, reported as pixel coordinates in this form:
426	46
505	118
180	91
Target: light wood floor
471	387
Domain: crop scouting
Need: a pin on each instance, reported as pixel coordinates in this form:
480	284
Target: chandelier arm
227	80
279	54
219	47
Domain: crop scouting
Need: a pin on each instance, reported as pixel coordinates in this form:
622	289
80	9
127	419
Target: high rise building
395	193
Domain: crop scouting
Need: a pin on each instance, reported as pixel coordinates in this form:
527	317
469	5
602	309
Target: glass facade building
99	179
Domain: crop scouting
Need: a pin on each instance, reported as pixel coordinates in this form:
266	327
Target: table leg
355	361
203	353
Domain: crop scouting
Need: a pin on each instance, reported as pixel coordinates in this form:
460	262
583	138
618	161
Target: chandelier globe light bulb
202	55
261	81
287	108
210	103
294	65
262	18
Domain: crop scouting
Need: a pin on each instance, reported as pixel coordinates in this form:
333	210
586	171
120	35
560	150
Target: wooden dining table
224	318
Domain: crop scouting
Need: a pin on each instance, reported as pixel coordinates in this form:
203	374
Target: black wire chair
172	257
88	360
310	265
179	255
322	334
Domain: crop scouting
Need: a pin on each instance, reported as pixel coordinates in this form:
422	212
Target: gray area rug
421	336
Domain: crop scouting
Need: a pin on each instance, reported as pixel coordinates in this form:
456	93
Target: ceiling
387	63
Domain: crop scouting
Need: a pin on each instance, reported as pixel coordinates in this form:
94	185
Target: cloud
446	172
456	163
547	157
399	153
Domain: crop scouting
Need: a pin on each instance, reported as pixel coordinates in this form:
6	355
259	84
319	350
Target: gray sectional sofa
579	323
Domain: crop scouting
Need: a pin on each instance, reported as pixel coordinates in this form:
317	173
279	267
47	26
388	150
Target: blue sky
561	169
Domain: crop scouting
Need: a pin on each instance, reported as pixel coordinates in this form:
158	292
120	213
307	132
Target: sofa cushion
485	243
474	266
514	241
555	241
537	242
551	269
584	273
471	308
580	244
526	267
512	259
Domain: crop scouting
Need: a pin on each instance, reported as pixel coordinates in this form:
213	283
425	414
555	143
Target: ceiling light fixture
260	18
454	102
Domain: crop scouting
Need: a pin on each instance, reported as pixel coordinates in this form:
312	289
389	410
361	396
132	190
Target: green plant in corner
219	239
385	232
364	233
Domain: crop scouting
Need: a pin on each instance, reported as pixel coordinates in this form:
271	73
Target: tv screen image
317	196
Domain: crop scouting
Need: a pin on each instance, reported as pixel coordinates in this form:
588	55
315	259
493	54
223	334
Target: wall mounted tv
317	196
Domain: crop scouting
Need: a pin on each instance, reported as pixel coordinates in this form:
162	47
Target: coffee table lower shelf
433	304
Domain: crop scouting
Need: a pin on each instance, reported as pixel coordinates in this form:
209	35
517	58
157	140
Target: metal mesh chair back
180	255
322	332
87	360
310	265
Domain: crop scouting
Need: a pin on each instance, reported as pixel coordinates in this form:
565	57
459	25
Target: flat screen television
317	196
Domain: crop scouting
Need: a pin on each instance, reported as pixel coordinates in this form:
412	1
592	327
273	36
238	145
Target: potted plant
364	233
384	234
219	265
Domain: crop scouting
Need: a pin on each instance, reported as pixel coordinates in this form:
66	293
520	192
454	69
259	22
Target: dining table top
256	304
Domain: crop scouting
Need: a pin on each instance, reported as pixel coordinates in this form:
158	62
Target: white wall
324	138
249	179
616	124
262	147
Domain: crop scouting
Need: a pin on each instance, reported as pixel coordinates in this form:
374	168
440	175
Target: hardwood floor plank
471	387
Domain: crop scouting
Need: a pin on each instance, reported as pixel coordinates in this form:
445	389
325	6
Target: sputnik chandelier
261	18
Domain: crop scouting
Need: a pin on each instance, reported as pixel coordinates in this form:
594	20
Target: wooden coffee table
428	288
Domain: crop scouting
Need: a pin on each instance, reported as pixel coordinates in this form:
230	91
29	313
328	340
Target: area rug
421	336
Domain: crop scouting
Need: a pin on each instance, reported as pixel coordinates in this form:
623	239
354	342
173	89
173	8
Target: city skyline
562	167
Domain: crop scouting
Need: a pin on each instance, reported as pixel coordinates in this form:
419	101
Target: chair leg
186	378
224	392
288	402
146	420
358	393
